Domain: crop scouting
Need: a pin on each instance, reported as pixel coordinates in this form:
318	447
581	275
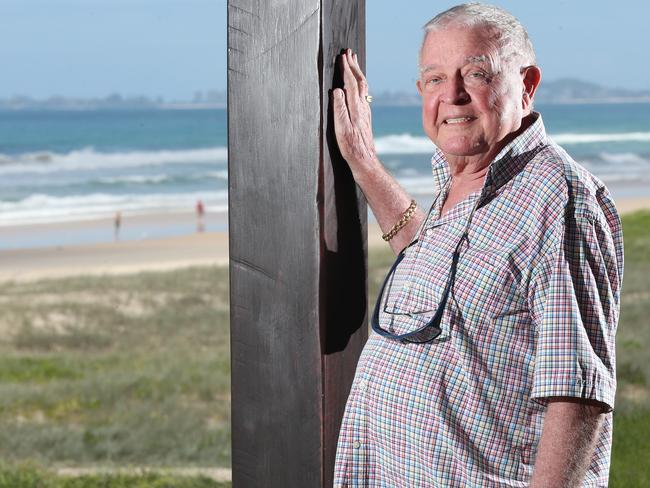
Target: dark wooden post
297	240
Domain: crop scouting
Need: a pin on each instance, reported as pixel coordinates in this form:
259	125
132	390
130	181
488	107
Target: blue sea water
76	165
58	166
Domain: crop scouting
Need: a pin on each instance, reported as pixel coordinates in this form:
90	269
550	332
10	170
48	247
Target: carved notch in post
297	240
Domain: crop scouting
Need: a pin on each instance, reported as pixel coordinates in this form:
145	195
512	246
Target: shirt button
363	385
428	232
356	444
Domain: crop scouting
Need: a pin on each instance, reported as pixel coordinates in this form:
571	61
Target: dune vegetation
134	371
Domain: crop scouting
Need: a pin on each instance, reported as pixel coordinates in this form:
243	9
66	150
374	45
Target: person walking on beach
200	212
491	361
117	223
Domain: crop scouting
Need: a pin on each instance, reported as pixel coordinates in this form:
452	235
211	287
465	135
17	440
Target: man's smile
458	120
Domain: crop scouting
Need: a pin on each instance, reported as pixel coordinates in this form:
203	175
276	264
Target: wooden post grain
297	240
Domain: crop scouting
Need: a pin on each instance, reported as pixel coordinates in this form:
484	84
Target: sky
173	48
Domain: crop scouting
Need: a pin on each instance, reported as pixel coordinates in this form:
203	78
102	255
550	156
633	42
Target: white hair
508	34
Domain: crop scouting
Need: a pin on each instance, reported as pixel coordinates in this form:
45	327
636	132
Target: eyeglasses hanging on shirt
430	331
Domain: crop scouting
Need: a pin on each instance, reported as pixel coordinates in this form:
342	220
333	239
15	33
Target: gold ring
368	98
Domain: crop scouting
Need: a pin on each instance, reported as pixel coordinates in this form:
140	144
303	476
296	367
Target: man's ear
418	84
531	76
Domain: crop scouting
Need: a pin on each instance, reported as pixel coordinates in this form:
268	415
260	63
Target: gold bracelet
406	216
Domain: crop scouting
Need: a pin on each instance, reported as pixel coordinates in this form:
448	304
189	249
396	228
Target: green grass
112	371
631	445
39	370
631	450
633	335
29	476
135	371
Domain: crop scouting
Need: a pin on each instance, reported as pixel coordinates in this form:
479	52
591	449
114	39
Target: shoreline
133	227
127	257
167	252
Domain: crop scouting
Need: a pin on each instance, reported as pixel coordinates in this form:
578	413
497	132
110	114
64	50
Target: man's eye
432	81
478	76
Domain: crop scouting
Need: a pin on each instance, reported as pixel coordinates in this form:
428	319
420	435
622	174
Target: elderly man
492	359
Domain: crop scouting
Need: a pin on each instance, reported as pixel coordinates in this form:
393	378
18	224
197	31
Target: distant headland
562	91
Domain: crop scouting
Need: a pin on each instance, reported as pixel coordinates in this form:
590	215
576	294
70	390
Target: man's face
470	100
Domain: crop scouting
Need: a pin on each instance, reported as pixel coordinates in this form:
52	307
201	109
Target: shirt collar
509	162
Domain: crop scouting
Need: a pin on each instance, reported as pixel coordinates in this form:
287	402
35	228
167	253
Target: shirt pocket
485	286
418	282
414	293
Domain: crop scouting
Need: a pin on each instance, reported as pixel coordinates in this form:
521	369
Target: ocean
63	166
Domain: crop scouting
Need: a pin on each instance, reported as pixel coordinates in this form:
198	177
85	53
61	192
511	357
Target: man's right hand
352	117
353	129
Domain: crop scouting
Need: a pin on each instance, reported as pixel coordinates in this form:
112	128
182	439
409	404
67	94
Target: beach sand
196	249
209	248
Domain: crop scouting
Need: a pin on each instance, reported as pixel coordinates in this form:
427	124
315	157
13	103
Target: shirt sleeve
574	297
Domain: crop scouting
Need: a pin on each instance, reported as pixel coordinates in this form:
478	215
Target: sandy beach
209	248
157	254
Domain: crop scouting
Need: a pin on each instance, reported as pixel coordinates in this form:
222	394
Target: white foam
409	144
404	144
618	159
88	159
41	208
571	138
140	179
163	178
221	175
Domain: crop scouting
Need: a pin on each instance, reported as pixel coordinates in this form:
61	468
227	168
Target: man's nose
454	92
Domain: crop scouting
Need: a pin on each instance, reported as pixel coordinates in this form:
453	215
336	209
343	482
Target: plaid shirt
532	314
